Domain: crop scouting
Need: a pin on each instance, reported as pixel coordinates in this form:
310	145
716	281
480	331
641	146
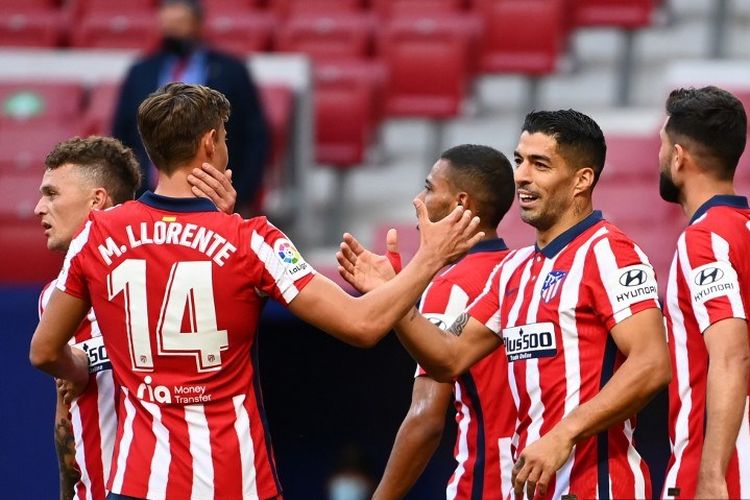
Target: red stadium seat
97	119
25	255
507	47
135	30
32	102
370	72
634	201
15	5
241	32
219	6
408	239
628	14
30	27
632	157
278	106
317	7
427	61
515	232
342	121
24	148
327	37
400	8
19	193
85	8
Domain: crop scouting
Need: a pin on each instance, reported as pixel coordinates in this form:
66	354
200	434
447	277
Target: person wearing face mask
183	56
708	296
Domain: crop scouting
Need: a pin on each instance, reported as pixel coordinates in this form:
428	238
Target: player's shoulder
725	220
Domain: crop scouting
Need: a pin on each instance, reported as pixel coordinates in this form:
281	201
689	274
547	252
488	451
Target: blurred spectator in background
352	479
183	57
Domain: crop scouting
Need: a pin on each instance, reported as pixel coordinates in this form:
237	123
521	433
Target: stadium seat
219	6
23	148
401	8
24	27
408	238
97	118
427	61
318	7
25	255
628	14
19	193
135	30
278	106
84	8
507	47
631	156
327	37
370	72
17	5
633	201
515	232
34	102
241	32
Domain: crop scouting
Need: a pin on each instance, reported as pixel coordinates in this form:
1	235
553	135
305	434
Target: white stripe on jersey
162	457
682	367
77	424
720	246
105	402
125	441
743	452
607	263
463	448
634	460
75	246
274	266
247	449
506	465
200	450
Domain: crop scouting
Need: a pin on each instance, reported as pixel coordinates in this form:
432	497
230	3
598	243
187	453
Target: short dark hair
710	122
172	120
579	139
196	6
106	160
487	175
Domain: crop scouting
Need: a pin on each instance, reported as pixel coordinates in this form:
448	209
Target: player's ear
209	141
99	198
464	200
584	179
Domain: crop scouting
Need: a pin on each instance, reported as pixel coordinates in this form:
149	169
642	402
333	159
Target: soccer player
481	179
84	174
708	296
578	316
177	288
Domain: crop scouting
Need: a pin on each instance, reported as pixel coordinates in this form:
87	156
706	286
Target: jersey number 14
189	290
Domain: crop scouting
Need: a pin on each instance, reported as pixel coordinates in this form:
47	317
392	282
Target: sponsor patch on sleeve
632	284
97	354
295	266
536	340
709	281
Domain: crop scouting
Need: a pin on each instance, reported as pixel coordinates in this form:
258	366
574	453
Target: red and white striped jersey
485	411
554	308
93	415
178	288
709	281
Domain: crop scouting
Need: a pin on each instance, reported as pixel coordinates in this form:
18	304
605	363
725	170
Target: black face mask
667	189
180	47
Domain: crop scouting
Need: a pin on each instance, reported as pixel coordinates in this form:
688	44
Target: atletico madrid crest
552	284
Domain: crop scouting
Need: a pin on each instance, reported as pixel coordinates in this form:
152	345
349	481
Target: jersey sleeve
284	272
622	282
486	307
705	263
72	279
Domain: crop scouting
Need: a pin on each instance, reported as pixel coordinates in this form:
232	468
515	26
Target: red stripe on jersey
709	280
557	306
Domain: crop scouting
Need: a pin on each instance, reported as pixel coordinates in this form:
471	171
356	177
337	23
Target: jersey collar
719	200
493	245
555	246
184	205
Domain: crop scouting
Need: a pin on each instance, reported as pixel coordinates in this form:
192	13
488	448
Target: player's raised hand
208	182
363	269
539	462
449	238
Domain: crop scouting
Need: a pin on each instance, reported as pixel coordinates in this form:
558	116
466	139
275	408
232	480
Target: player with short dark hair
579	318
178	288
481	179
708	296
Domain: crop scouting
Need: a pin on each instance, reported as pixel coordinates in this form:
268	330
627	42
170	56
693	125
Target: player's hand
363	269
448	239
538	463
711	486
69	390
208	182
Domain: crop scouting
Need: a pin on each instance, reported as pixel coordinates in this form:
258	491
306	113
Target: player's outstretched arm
65	447
728	373
365	270
417	438
207	182
363	321
646	370
50	351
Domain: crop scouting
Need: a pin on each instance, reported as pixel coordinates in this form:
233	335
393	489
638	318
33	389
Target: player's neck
175	185
700	190
572	216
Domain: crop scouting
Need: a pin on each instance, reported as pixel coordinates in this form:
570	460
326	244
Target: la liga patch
295	266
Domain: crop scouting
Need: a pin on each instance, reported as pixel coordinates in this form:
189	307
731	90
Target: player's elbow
426	422
365	334
40	355
657	374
